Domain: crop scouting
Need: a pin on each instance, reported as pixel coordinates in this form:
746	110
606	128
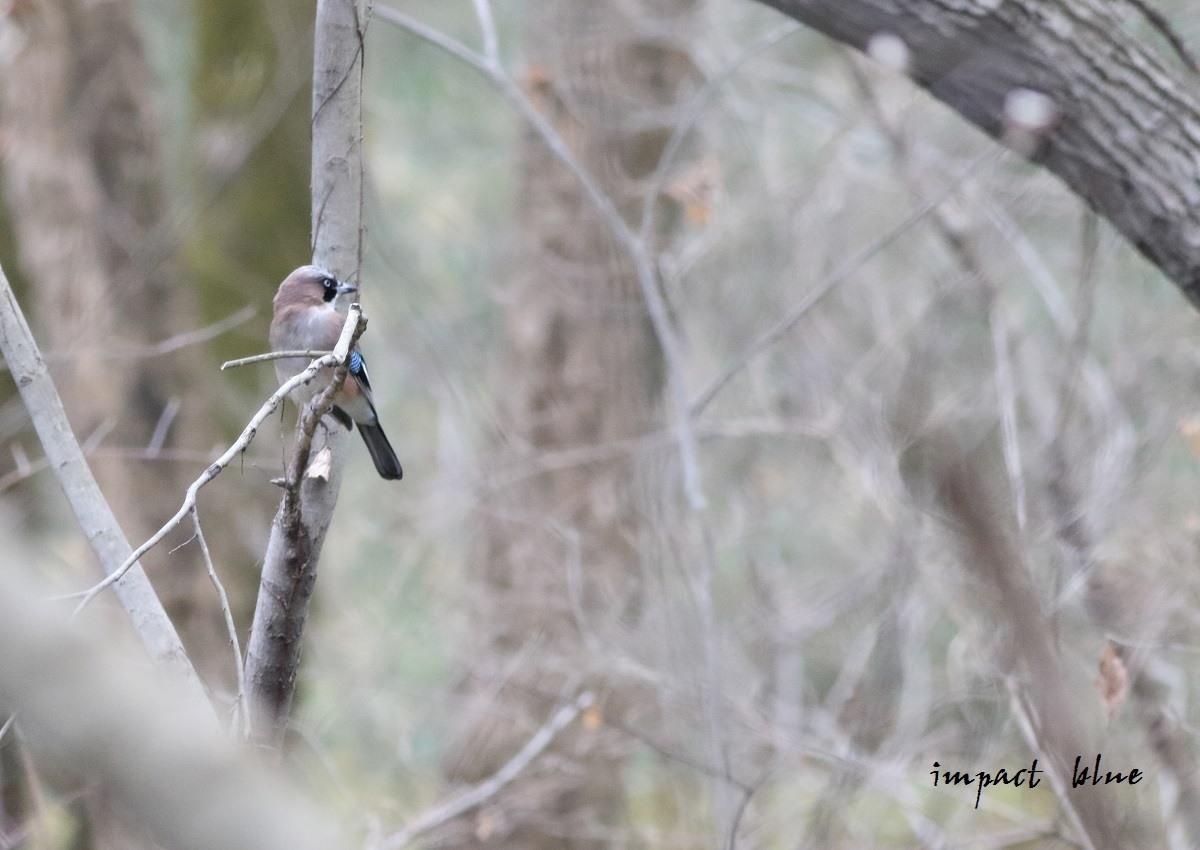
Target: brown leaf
694	189
1113	683
1189	429
592	719
485	825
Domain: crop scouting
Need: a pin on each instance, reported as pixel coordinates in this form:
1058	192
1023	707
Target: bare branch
239	445
189	338
270	355
740	812
31	468
230	626
163	426
487	25
1006	395
306	510
154	349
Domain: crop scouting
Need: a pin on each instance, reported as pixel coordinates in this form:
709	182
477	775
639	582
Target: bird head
310	286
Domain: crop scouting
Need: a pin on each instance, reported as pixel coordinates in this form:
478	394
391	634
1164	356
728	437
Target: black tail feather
386	462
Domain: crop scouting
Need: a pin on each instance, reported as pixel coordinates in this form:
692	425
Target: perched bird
305	317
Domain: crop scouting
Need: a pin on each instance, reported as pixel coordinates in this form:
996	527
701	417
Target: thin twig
163	426
487	26
8	724
550	461
27	468
190	338
743	804
230	627
656	305
270	355
645	738
1102	396
1077	345
155	349
1006	395
11	479
333	359
487	789
1024	716
1159	21
97	436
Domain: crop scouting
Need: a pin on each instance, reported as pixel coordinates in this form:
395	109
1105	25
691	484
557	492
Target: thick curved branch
1125	136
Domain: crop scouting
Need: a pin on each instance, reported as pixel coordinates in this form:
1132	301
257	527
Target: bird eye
328	282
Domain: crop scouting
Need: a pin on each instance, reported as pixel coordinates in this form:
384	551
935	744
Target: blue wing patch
358	367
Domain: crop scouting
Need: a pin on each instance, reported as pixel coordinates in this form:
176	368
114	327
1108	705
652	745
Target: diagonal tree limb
95	517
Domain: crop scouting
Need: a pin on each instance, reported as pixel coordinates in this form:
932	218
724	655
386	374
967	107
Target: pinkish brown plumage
305	317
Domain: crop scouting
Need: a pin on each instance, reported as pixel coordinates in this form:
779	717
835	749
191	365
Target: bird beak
343	288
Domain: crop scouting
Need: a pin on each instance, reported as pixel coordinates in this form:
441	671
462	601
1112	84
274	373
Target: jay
305	318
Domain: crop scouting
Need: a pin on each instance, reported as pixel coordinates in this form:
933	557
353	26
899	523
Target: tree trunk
561	568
